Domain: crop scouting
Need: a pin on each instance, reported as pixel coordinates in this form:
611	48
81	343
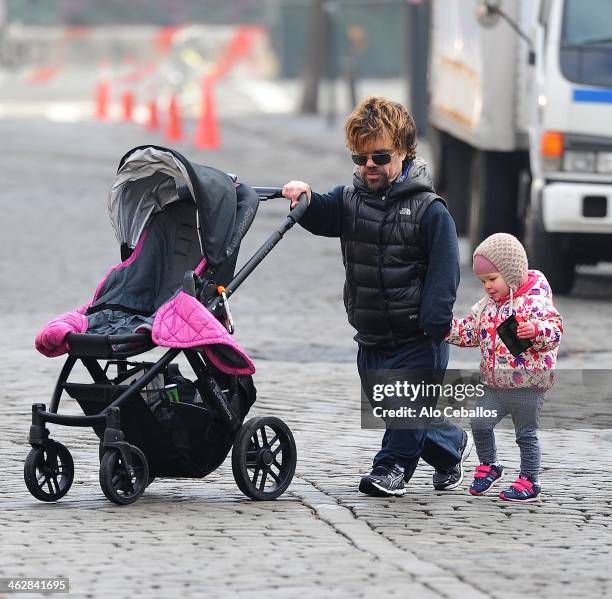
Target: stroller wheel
48	471
263	458
102	451
115	480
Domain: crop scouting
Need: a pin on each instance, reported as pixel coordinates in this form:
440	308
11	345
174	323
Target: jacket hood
536	284
416	180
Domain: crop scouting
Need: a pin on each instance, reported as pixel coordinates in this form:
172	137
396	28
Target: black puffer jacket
383	253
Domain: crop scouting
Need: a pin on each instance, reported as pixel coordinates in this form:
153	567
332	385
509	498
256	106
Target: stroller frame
124	469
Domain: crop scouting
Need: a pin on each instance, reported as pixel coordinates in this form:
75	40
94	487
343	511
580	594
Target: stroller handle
268	193
293	217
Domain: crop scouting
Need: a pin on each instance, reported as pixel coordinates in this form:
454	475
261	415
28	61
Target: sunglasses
379	158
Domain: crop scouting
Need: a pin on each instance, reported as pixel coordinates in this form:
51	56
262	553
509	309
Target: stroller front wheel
102	451
117	483
49	471
264	458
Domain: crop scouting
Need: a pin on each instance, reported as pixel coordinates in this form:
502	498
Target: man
399	247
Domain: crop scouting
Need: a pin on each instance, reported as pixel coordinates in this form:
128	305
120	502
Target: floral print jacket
498	367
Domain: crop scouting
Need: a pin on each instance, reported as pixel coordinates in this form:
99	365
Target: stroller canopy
149	178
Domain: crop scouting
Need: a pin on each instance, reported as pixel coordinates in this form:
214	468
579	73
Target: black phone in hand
507	332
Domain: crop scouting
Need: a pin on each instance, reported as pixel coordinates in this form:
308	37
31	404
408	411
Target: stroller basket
172	442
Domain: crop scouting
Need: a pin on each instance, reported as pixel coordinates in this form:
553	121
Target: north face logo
405	211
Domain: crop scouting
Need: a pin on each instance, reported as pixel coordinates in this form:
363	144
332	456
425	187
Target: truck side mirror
487	13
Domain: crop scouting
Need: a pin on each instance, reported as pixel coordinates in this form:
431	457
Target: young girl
515	383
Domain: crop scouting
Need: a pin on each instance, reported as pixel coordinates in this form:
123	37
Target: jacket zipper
494	341
380	267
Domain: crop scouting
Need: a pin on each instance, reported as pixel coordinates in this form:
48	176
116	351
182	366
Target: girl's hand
526	330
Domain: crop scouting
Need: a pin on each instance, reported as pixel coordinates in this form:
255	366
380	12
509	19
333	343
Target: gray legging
524	405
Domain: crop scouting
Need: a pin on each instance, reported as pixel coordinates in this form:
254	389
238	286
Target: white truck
520	121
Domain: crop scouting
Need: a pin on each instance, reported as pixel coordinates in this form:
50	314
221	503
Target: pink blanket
51	341
184	322
181	322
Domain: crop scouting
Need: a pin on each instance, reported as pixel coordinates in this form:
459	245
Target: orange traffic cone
127	105
207	133
174	131
153	121
103	90
102	96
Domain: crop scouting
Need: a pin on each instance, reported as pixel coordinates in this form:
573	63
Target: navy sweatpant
438	444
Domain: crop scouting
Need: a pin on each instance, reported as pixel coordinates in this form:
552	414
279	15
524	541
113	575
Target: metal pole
331	12
3	28
418	15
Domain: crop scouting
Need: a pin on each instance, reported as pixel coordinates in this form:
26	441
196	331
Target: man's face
379	177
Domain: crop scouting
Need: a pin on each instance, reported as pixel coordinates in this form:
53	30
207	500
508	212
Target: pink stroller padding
184	322
50	341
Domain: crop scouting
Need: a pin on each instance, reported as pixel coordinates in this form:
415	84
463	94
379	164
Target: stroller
180	226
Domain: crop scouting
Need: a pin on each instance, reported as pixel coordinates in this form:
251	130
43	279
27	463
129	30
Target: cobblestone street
322	538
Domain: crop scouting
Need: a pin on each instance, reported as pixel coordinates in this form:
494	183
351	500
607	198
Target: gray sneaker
451	478
384	482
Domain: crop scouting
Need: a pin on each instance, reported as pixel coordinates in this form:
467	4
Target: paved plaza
192	538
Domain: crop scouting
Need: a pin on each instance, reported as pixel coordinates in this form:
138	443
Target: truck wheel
546	253
437	150
451	167
493	190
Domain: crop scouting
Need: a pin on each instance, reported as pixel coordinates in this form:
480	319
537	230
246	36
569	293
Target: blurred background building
513	96
340	40
373	24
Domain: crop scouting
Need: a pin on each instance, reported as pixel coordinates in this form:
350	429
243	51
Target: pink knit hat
502	253
482	266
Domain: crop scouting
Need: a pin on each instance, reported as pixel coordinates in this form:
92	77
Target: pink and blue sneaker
485	477
522	490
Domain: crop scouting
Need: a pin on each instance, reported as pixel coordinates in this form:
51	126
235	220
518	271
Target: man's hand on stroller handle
294	189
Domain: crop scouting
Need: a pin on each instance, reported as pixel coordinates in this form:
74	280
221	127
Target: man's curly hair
376	116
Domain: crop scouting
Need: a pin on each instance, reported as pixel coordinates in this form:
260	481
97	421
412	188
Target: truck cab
521	125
